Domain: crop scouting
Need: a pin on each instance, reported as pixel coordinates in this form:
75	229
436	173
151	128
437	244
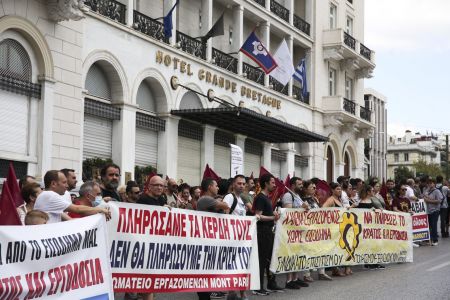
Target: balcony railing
148	26
190	45
279	10
224	60
349	40
301	24
109	8
277	86
253	73
364	51
261	2
297	93
365	113
349	106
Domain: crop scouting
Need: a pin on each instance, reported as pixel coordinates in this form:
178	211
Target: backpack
235	202
444	197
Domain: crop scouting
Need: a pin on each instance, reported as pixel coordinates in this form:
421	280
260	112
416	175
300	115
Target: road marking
439	267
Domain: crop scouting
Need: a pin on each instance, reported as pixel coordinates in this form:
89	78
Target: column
167	7
130	12
290	42
289	4
265	39
168	147
124	140
238	33
207	22
268	5
267	156
207	155
45	127
288	166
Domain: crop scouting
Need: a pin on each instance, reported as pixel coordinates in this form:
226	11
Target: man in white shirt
410	191
52	202
234	200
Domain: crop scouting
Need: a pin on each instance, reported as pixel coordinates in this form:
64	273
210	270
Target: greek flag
300	75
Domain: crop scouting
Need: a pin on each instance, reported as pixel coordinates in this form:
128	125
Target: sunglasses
404	190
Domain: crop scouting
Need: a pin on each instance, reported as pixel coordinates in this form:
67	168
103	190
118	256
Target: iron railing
261	2
279	10
224	60
297	93
365	113
253	73
149	26
277	86
191	45
301	24
349	106
109	8
349	40
364	51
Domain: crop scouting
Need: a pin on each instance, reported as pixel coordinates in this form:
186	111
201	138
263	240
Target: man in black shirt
110	175
154	193
266	220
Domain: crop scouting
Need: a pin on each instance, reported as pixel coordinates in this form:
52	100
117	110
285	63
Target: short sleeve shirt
239	210
402	203
53	204
293	199
263	203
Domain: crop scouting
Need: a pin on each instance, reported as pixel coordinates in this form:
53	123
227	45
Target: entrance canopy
251	124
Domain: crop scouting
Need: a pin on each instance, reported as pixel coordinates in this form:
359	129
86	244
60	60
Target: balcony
301	24
277	86
191	45
347	115
261	2
279	10
340	46
224	60
297	94
253	73
149	26
108	8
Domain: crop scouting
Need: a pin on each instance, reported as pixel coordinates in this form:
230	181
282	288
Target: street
427	278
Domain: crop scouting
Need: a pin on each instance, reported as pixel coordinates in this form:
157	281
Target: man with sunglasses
171	193
402	203
133	191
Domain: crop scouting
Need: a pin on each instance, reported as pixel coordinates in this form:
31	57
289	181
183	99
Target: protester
444	206
195	192
233	200
410	190
347	191
71	178
401	202
90	195
122	191
266	220
172	192
433	197
249	194
184	196
210	188
36	217
390	195
52	202
377	199
29	192
26	179
133	191
110	176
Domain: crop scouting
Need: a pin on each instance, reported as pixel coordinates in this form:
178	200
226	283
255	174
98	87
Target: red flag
13	186
384	191
209	173
287	181
8	211
323	191
251	175
147	181
278	191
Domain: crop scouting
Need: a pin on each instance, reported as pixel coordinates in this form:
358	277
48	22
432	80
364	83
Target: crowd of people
239	196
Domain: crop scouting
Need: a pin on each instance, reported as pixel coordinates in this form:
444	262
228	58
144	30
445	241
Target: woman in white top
30	192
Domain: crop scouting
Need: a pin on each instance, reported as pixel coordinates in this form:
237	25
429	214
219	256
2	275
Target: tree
403	172
424	168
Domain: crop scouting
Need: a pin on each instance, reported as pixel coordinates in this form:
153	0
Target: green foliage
141	173
403	172
92	167
429	169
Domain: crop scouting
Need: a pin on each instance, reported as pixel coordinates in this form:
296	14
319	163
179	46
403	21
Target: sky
411	40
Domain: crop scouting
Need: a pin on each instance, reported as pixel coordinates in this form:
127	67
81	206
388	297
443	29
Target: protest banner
156	249
329	237
237	160
421	230
67	260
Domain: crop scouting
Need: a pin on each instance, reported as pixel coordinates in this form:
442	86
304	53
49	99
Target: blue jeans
433	220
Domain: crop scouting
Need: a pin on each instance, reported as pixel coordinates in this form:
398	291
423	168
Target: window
331	82
406	156
396	157
349	27
333	15
348	88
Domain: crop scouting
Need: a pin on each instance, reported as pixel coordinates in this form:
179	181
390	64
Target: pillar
130	12
265	39
207	22
207	155
267	156
168	147
238	33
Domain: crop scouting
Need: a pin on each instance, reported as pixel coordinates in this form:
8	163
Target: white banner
237	160
421	229
156	249
67	260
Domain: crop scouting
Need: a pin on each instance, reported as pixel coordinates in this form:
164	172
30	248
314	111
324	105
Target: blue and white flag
300	75
167	21
255	49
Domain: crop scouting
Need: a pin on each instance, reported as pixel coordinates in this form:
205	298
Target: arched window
145	98
97	82
14	60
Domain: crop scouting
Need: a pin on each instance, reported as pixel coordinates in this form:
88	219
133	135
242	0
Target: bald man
171	193
154	193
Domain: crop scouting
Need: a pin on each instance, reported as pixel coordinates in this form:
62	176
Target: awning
249	123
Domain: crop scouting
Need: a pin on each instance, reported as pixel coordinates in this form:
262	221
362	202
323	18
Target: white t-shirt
239	210
53	204
409	192
345	200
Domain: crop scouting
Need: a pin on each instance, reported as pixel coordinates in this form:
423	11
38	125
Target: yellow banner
329	237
